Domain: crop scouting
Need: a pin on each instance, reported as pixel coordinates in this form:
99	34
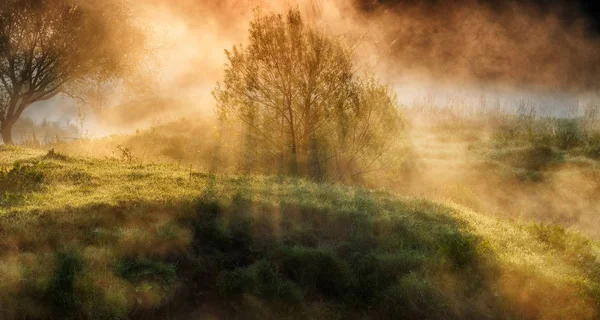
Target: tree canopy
49	47
303	102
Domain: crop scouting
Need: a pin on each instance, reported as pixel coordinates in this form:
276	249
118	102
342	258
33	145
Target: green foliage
21	175
557	133
271	286
527	164
568	134
374	274
592	150
143	269
458	248
347	256
19	180
316	270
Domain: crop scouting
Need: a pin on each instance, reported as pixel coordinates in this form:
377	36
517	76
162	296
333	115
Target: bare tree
49	47
295	89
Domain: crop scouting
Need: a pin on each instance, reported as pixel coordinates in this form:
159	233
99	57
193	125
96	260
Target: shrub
569	134
592	150
316	270
153	281
535	158
271	286
140	269
458	248
21	176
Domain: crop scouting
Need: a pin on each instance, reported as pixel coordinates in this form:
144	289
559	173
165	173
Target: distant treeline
29	132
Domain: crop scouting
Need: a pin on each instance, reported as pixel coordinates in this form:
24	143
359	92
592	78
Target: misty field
158	224
318	159
90	238
166	224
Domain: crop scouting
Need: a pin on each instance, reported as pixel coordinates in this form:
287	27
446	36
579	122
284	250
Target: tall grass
164	243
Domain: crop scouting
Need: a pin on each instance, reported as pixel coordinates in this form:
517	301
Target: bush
140	269
21	176
315	270
592	150
271	286
372	277
458	248
153	281
569	134
535	158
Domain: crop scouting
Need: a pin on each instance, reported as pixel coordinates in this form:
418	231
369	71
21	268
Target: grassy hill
106	239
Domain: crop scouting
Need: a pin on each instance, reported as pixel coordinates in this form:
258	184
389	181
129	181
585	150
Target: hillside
106	239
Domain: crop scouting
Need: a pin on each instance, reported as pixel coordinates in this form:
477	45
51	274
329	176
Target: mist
468	48
310	159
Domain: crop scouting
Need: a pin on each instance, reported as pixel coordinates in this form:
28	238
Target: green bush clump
569	134
272	286
18	181
141	269
592	150
316	270
458	248
526	164
21	176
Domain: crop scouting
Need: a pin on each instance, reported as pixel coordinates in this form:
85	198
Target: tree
297	92
49	47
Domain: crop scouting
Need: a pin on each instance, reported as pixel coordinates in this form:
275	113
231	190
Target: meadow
142	227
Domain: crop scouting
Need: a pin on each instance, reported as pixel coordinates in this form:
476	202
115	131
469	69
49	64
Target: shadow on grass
314	253
365	257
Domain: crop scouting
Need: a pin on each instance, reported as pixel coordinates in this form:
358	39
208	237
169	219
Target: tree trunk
6	129
294	164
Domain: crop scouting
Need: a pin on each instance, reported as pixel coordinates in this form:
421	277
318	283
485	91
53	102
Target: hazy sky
524	48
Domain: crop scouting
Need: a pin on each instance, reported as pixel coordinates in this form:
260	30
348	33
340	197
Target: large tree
49	47
302	100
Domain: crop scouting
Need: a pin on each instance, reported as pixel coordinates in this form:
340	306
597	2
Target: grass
105	239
